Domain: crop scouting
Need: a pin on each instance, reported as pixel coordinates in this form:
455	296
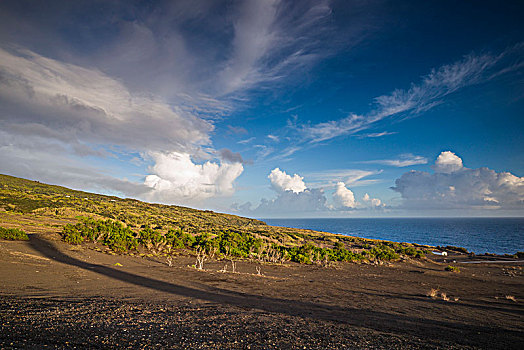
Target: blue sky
270	108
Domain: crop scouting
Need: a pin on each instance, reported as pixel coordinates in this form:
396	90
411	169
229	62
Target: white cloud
272	39
175	178
351	177
282	182
293	197
434	86
47	162
344	197
334	128
377	134
87	105
246	141
273	138
53	105
454	186
405	160
287	202
421	97
447	162
374	203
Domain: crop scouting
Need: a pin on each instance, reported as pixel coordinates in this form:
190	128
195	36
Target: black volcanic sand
59	296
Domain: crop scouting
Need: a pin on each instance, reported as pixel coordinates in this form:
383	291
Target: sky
270	108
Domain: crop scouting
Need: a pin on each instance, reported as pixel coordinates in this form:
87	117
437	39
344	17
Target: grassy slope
32	199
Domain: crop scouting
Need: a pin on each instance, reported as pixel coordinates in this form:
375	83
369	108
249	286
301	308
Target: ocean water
478	235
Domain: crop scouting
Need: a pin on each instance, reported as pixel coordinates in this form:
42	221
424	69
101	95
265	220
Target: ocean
478	235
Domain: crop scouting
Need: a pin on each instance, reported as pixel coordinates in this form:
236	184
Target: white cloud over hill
174	175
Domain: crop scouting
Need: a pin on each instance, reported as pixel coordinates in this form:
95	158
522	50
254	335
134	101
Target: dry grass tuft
511	297
432	293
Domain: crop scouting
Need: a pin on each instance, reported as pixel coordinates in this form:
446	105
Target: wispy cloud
237	130
377	134
272	39
246	141
403	161
48	98
430	92
350	177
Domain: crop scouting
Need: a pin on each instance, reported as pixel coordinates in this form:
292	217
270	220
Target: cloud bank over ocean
454	186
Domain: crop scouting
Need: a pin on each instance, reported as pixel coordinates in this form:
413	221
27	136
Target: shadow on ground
424	328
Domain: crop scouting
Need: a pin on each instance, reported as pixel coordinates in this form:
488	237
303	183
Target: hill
131	226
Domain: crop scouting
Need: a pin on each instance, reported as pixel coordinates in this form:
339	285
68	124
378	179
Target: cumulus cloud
307	201
281	182
454	186
229	156
174	175
447	162
372	202
293	197
344	197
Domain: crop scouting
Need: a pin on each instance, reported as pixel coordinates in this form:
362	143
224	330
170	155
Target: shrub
13	234
205	243
452	269
113	234
456	249
72	235
382	252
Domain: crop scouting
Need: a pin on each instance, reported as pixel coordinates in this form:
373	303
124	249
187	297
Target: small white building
440	253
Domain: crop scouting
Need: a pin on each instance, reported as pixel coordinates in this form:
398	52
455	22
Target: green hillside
129	226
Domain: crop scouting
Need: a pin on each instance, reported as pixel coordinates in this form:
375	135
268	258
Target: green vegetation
110	233
224	244
13	234
452	269
131	226
454	249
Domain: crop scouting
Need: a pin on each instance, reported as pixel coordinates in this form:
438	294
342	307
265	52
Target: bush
382	252
410	251
178	239
13	234
452	269
205	243
113	234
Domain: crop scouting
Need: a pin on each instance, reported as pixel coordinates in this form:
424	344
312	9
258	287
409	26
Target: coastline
497	235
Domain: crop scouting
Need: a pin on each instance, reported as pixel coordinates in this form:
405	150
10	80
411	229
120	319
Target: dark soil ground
53	295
